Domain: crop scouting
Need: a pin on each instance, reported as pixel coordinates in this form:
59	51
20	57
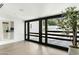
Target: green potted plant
70	23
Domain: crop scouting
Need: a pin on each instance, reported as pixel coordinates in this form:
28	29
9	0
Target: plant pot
73	50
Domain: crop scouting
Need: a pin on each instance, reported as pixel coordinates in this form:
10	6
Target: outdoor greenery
52	22
70	22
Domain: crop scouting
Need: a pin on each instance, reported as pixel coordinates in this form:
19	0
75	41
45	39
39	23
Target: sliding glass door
34	31
47	31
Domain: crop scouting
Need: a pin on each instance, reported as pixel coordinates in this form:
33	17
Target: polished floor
29	48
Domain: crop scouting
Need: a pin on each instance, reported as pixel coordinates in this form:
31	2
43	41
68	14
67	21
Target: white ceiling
25	11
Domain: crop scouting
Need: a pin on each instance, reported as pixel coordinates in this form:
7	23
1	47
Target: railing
52	34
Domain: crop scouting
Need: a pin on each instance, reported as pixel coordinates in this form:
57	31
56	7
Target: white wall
1	33
18	30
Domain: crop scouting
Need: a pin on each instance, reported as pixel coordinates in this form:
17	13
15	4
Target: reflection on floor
29	48
8	41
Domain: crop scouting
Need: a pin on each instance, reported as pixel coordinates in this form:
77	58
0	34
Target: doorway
8	30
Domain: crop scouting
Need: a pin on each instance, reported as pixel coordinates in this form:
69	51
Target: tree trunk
75	35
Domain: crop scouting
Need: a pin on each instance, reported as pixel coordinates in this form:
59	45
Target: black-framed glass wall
46	31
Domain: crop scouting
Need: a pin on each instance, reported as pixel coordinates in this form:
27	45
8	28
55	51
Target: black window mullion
28	28
40	30
24	30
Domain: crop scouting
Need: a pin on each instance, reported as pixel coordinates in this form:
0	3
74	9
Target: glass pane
59	42
34	30
43	31
57	35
